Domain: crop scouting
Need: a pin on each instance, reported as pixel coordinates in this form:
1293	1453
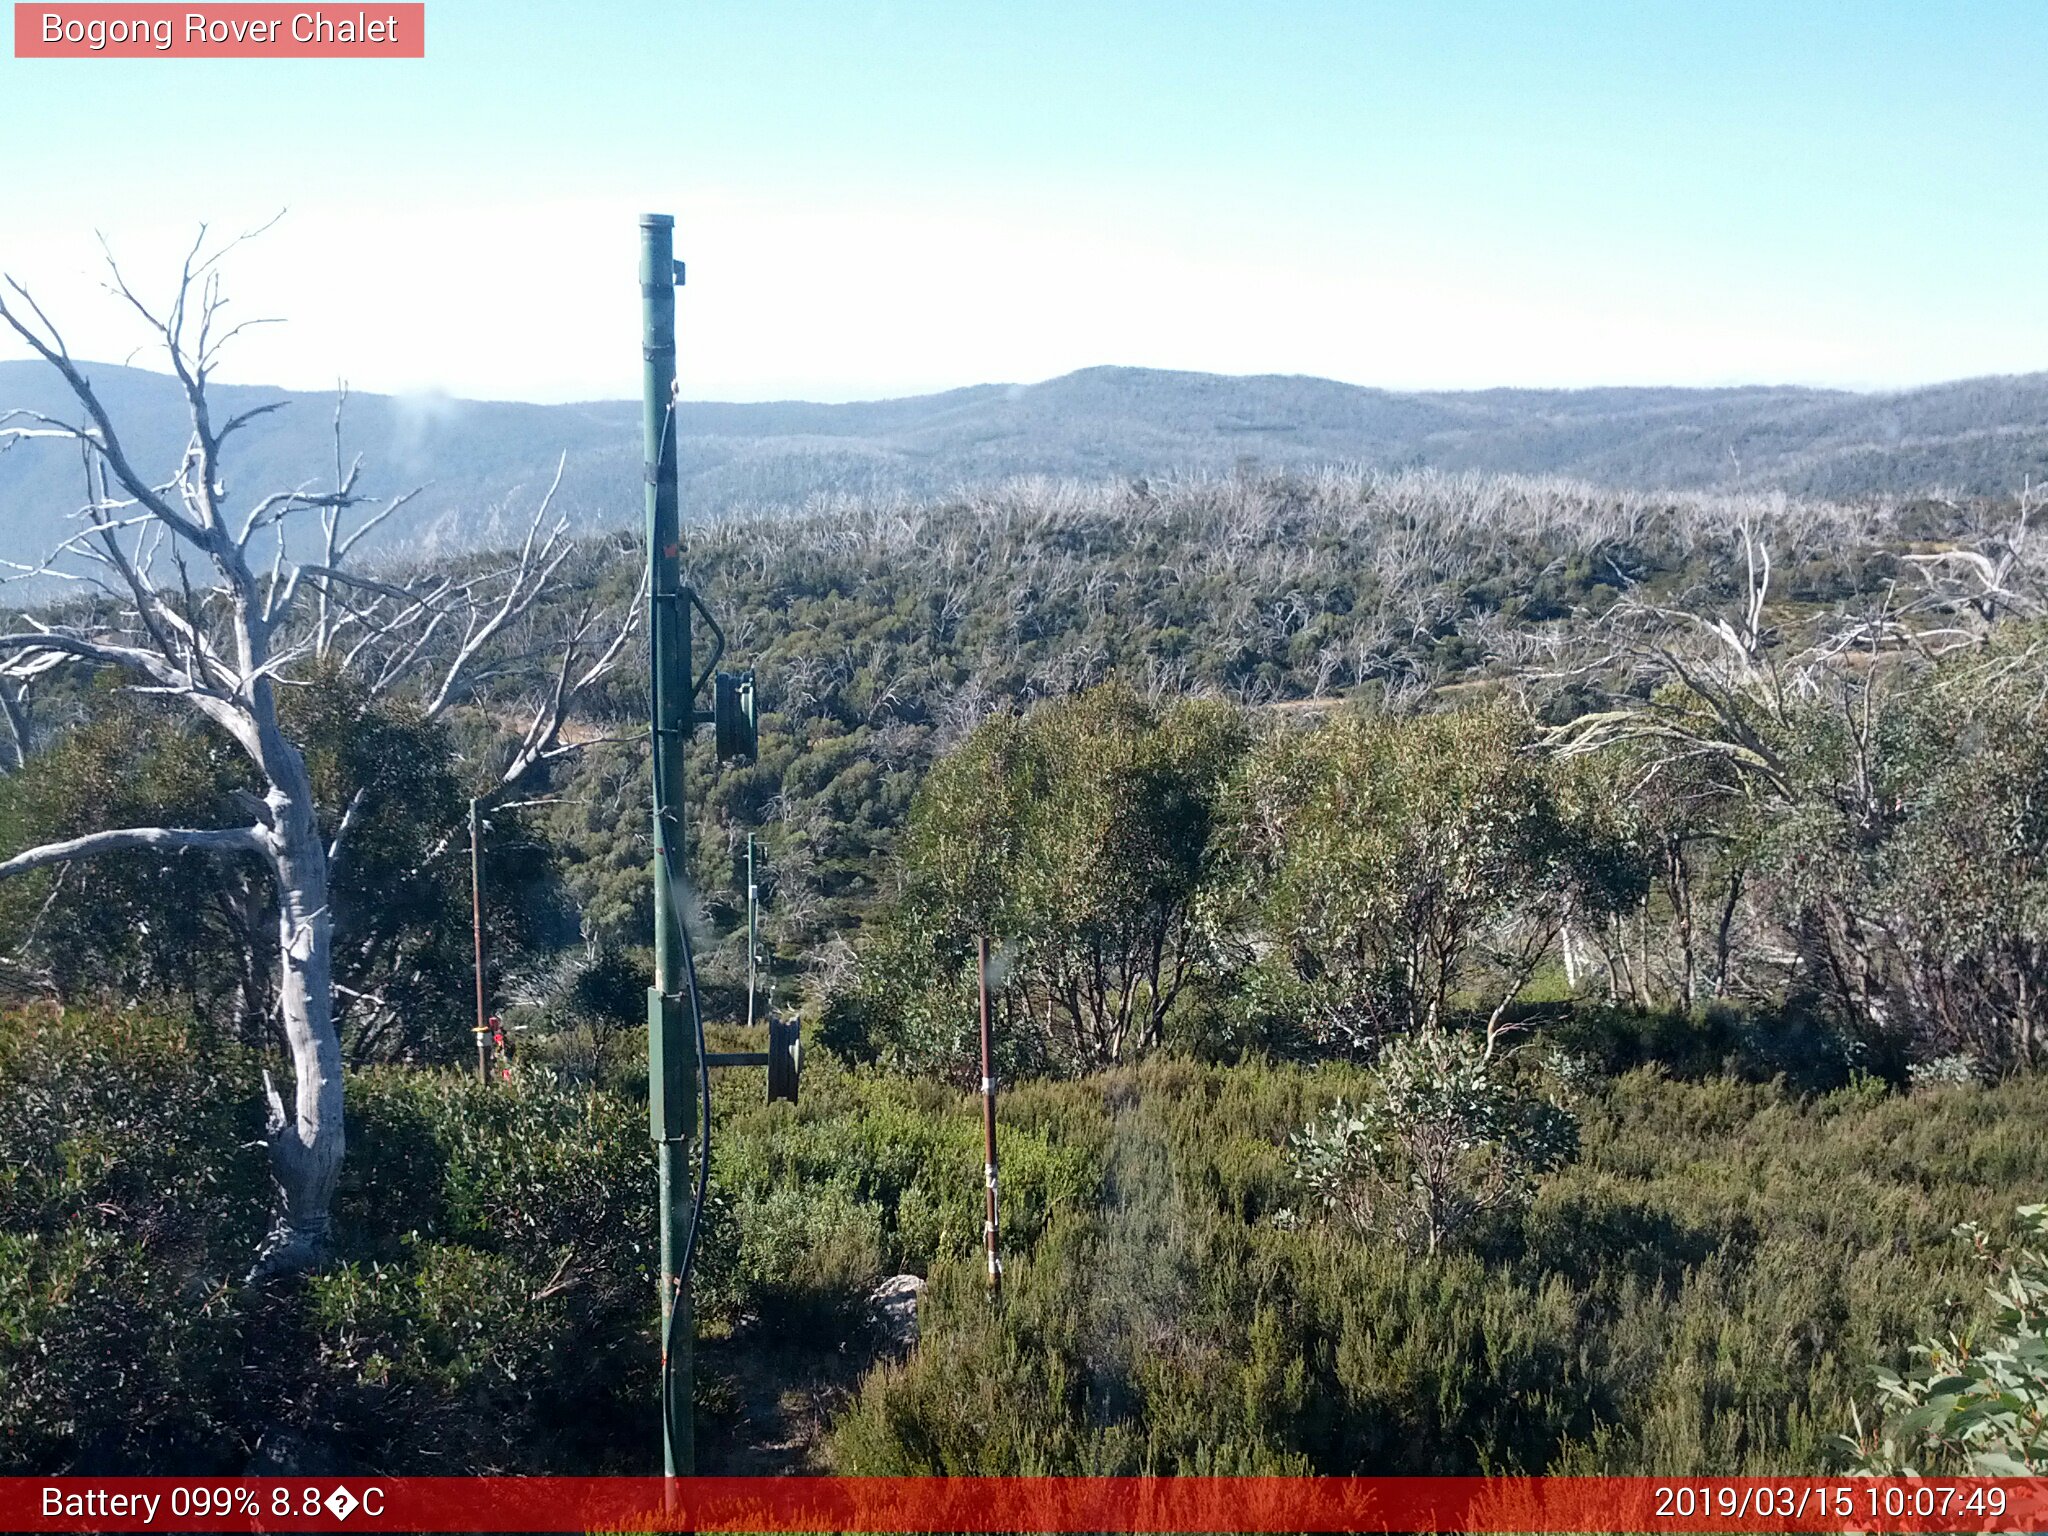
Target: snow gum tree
196	595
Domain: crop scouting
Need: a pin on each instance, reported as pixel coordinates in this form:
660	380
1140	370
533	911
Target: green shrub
1398	871
128	1193
1976	1404
491	1305
499	1314
1707	1288
808	1257
1447	1133
1080	837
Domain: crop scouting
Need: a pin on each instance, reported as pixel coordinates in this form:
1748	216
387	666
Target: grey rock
894	1303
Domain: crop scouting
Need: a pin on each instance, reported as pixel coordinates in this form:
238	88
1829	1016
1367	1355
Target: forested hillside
1492	975
881	642
476	462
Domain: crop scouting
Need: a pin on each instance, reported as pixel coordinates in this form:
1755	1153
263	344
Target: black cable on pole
672	823
689	1259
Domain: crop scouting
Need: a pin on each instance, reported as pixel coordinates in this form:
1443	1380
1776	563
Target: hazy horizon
144	364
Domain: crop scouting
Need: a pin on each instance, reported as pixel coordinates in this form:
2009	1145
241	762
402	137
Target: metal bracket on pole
717	641
784	1058
671	1096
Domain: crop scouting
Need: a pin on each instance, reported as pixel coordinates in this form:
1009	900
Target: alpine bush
1447	1133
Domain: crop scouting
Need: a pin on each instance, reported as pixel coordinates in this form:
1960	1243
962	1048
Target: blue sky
883	197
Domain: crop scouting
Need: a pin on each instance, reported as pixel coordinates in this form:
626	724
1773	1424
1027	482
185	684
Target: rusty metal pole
753	906
476	922
988	1129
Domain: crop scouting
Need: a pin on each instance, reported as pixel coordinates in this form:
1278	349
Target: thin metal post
476	923
753	901
988	1128
671	1058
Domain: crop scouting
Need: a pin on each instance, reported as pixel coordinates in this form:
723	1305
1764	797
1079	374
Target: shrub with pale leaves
1451	1129
1976	1403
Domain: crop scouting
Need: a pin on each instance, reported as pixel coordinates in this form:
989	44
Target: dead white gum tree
196	597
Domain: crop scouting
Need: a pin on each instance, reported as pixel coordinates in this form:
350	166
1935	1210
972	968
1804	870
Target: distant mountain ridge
486	462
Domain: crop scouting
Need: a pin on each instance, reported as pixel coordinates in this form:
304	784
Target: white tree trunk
306	1143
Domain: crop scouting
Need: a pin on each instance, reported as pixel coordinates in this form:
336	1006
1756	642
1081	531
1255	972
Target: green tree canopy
1395	868
194	926
1079	840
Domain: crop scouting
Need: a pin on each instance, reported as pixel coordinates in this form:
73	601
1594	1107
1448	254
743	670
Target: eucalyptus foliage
1393	867
1448	1131
1080	840
1975	1403
190	928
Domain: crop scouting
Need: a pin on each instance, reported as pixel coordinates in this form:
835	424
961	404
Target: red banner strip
377	30
988	1504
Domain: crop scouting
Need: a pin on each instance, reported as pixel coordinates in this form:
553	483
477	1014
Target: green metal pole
671	1056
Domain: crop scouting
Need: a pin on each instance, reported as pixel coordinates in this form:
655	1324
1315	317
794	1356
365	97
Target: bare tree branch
162	839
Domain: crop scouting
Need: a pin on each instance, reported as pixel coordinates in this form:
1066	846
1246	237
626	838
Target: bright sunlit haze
891	198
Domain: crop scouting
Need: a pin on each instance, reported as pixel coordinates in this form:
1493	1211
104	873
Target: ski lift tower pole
671	1060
